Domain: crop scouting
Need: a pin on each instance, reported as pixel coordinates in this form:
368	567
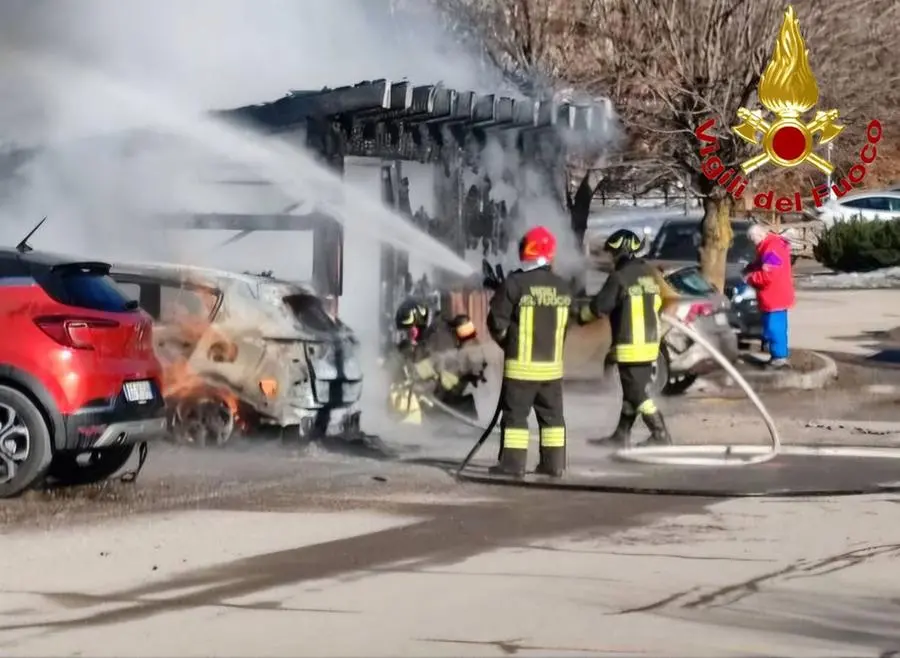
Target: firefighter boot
552	463
512	463
659	433
622	434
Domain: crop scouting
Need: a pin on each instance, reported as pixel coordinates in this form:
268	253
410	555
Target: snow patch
885	278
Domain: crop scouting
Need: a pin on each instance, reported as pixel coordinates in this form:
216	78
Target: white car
246	351
866	206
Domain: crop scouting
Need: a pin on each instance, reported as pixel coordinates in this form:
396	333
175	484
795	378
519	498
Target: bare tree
671	65
531	42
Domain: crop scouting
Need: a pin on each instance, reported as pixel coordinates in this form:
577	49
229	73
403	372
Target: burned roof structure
397	120
400	121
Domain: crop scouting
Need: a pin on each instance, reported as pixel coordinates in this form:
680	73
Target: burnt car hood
273	319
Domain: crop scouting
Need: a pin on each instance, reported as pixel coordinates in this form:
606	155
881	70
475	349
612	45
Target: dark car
677	245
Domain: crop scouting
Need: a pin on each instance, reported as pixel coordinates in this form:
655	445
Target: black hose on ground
484	437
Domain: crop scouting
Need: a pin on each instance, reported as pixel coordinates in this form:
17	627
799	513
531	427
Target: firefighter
528	318
459	367
438	360
632	298
413	321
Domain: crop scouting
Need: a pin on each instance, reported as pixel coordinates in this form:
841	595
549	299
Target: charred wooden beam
293	110
244	222
461	109
397	101
524	114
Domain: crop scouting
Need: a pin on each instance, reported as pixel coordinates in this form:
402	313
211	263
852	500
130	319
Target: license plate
721	319
140	391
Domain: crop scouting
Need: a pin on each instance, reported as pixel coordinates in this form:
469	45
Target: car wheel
25	450
76	468
203	422
659	374
679	384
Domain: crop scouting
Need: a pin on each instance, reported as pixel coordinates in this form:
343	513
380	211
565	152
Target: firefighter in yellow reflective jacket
632	298
413	322
435	361
455	361
528	317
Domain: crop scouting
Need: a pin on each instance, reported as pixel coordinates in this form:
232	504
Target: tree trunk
579	206
715	239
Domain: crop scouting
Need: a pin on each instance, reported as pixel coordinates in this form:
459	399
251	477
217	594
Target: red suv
79	380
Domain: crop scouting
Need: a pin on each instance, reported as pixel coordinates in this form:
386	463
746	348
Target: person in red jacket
770	274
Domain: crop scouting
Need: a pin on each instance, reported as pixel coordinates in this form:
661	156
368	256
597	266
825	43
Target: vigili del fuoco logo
788	90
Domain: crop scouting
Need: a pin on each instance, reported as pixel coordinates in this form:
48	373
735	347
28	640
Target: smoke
207	54
223	53
102	191
533	190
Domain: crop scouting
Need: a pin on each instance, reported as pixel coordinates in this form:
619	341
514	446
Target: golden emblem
788	89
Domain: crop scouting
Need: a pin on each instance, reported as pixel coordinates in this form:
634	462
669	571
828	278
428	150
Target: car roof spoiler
90	265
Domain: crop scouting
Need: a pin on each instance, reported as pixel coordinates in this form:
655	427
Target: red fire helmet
537	244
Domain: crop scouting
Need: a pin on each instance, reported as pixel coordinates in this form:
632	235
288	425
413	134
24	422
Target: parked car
80	384
246	352
677	245
866	206
681	360
643	221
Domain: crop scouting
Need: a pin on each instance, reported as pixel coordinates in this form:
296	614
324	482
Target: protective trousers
636	379
517	400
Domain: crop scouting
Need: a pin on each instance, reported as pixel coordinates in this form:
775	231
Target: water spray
276	162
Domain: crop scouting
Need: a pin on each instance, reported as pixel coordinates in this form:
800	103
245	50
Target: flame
180	380
788	87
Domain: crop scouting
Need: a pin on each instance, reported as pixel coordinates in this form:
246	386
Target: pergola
396	122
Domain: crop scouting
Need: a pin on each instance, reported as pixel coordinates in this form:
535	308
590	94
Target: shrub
859	246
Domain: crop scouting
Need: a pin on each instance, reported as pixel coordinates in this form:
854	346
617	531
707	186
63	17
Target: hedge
859	246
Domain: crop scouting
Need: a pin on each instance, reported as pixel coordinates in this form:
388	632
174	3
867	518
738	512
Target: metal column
325	139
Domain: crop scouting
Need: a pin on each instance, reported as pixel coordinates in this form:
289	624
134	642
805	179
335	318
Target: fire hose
686	455
712	455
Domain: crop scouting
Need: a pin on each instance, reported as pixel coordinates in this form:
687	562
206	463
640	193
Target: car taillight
71	331
690	313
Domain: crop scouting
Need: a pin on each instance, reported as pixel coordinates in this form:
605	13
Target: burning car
245	353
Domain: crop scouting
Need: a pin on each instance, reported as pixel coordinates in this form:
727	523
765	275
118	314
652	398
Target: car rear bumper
118	423
131	431
696	360
746	320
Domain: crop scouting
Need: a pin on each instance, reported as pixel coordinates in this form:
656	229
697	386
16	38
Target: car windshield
689	281
682	242
310	311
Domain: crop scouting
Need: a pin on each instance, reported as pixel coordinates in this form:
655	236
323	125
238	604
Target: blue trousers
775	333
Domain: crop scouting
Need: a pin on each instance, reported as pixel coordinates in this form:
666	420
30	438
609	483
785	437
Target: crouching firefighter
528	318
436	361
632	298
457	366
413	324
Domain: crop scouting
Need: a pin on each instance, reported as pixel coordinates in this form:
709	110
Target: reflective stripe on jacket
632	299
529	315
